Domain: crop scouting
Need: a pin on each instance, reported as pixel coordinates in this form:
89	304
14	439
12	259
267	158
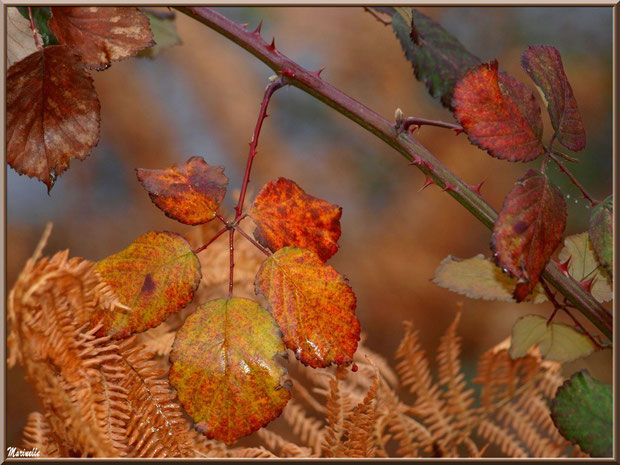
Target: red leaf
499	114
313	306
544	66
528	230
285	215
190	193
101	35
52	113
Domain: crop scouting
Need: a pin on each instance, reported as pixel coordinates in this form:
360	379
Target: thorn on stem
417	161
564	266
587	284
476	187
318	72
457	131
448	187
427	182
272	46
258	28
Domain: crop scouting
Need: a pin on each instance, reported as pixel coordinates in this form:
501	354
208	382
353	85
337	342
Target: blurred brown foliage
201	98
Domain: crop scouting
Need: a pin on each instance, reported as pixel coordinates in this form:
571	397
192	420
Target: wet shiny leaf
583	412
583	266
479	278
101	35
313	306
190	192
544	65
286	216
155	276
528	230
556	341
602	233
499	114
52	113
224	368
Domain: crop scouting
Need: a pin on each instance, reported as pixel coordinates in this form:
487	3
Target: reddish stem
385	22
253	242
565	170
271	88
231	245
35	31
411	121
217	234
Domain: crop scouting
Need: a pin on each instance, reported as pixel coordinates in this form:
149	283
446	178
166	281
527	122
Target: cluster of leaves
502	116
224	365
52	107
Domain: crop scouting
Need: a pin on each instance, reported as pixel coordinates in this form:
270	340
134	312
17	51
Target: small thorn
272	46
258	28
319	71
413	128
476	188
427	182
564	266
457	131
448	187
587	285
417	161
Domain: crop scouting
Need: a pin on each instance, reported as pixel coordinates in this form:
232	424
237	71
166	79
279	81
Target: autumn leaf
583	266
556	341
528	230
155	276
313	306
544	65
40	16
583	411
101	35
52	113
484	103
164	29
190	193
479	278
438	58
601	232
20	40
224	368
285	215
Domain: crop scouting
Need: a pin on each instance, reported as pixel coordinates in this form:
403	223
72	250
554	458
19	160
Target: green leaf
40	15
583	266
479	278
164	29
556	341
438	58
155	276
583	412
224	368
602	232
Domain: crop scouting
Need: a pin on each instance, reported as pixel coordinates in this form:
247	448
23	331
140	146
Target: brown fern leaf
336	410
280	446
251	453
38	436
506	441
309	429
415	374
359	426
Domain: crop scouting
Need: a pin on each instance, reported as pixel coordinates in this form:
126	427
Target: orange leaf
52	113
155	276
101	35
224	368
285	215
499	114
313	305
528	230
190	193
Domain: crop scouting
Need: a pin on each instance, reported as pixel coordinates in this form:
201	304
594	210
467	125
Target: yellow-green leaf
583	265
556	341
164	29
155	276
479	278
224	368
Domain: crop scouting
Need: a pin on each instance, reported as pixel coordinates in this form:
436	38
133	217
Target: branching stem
253	242
404	143
211	241
572	178
418	122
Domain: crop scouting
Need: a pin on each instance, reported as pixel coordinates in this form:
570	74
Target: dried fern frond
38	436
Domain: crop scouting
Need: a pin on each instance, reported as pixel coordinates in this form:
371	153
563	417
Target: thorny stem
405	143
211	241
231	246
269	91
35	31
408	122
567	172
253	242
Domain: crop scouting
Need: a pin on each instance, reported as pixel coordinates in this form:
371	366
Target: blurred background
202	98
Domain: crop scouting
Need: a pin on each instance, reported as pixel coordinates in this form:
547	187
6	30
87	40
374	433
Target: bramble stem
405	143
231	246
271	88
253	242
572	178
411	121
35	31
385	22
212	240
